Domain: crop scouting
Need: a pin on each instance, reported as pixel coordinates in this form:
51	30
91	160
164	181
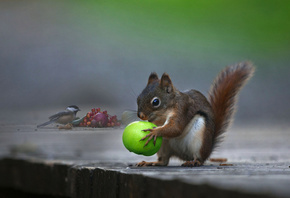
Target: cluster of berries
98	118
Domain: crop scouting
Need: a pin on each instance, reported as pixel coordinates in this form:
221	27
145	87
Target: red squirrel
191	125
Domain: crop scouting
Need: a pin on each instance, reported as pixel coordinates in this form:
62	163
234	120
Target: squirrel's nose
141	115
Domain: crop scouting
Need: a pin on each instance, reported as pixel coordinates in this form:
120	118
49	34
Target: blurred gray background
100	53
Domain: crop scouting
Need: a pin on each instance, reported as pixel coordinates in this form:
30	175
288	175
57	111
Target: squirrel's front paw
153	134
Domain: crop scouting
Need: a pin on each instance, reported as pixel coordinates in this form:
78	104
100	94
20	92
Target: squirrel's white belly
187	147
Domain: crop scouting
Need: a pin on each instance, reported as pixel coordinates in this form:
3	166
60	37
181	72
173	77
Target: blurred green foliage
241	29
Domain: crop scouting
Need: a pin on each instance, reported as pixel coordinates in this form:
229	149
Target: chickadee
63	117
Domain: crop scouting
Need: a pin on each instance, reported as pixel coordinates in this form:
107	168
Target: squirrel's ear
152	78
166	83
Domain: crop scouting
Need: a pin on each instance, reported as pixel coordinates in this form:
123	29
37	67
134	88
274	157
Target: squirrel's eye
155	102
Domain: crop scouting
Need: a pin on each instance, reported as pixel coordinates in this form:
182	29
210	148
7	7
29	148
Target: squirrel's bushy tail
223	95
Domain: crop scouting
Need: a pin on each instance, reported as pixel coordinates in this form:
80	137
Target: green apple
132	135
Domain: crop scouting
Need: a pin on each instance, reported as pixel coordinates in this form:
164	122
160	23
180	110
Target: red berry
114	119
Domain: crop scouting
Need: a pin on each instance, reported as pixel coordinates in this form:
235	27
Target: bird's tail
44	124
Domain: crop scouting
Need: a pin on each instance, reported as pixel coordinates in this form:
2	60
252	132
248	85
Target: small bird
63	117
